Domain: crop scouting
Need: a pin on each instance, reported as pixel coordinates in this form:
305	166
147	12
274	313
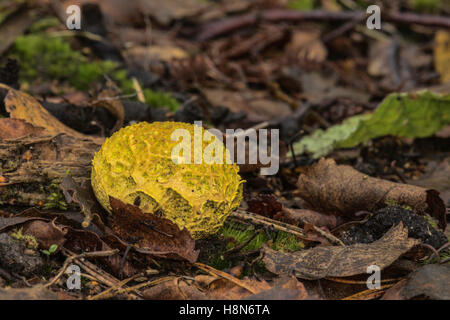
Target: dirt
382	220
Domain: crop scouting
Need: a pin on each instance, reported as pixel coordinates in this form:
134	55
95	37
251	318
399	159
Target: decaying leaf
437	177
306	45
298	216
343	191
80	194
166	11
415	115
209	287
321	262
442	54
20	105
46	233
17	129
255	103
37	292
157	236
431	281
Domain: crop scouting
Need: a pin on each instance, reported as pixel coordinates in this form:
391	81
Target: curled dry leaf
46	233
18	129
21	105
321	262
157	236
83	196
210	287
431	281
299	216
342	191
38	292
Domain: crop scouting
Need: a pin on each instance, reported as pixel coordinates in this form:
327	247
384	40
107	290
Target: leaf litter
230	64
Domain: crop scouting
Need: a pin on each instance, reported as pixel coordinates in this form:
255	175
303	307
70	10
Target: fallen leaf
21	105
15	25
299	216
18	129
442	54
159	237
387	61
140	55
80	194
431	281
409	115
38	292
254	103
307	46
343	191
338	261
437	176
174	289
46	233
167	11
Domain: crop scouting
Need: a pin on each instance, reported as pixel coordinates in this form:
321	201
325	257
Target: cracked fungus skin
135	165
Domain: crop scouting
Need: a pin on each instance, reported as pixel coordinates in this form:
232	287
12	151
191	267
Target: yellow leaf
442	55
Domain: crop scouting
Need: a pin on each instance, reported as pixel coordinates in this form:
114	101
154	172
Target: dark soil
382	220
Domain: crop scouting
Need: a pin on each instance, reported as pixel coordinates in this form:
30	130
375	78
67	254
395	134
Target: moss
282	241
29	240
239	234
55	199
52	58
44	24
428	6
159	99
303	5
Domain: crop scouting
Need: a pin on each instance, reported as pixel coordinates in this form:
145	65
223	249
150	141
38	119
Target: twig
263	221
220	27
79	256
278	225
224	275
370	293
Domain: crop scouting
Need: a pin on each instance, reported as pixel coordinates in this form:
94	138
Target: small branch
278	225
227	25
79	256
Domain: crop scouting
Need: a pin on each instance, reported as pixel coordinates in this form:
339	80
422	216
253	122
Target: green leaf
53	248
415	115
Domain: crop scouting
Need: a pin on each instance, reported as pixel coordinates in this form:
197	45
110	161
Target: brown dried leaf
209	287
37	292
437	177
321	262
298	216
254	103
18	129
159	237
46	233
166	11
431	281
82	195
174	289
342	191
307	46
21	105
